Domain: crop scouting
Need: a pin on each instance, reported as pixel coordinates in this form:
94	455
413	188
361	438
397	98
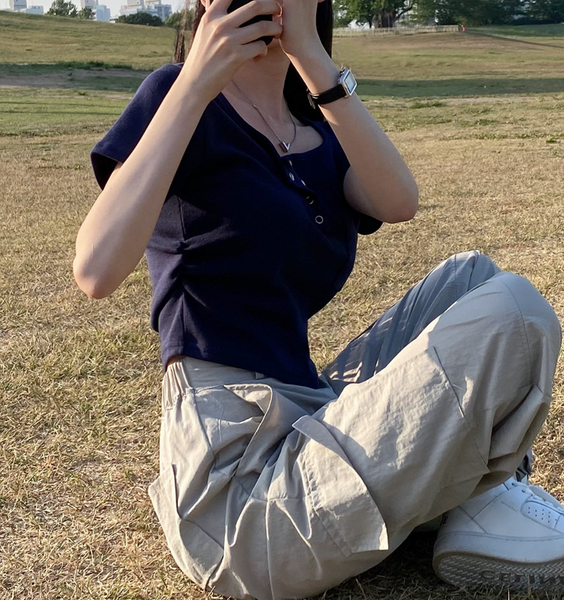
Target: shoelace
534	490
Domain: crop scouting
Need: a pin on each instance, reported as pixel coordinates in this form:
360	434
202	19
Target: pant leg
489	359
399	325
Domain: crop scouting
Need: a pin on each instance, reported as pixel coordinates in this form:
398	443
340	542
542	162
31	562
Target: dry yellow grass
79	379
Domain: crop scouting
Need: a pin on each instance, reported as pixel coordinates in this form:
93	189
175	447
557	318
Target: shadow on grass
40	68
509	38
93	75
459	87
16	106
61	112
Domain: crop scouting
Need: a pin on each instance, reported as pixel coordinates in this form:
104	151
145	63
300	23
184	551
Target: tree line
386	13
471	13
66	8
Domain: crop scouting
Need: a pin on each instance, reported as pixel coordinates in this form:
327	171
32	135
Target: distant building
132	7
89	4
128	10
160	10
35	10
152	7
102	13
18	5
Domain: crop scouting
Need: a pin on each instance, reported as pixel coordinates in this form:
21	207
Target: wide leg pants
271	490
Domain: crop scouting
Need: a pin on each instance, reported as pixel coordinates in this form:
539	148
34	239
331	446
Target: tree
140	18
469	12
341	19
441	12
551	11
175	20
86	13
374	13
388	12
61	8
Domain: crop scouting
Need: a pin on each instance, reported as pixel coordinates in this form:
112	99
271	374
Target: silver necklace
284	146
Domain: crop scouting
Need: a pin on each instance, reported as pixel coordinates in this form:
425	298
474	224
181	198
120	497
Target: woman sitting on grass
277	481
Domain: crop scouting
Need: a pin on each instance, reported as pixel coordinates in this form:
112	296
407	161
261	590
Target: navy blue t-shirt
249	244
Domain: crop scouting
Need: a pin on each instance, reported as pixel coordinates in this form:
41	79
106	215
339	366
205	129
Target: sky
113	5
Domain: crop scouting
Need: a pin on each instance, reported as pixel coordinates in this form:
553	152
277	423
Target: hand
221	46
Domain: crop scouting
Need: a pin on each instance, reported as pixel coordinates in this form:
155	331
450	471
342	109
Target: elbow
406	206
92	286
408	211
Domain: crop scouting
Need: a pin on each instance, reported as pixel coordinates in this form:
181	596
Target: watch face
349	82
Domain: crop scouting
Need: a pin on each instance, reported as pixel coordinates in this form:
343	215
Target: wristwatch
345	87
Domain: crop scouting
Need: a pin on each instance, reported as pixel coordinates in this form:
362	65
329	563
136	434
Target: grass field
44	39
479	119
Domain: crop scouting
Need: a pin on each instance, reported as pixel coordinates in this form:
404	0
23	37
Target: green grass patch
459	87
40	112
525	31
45	39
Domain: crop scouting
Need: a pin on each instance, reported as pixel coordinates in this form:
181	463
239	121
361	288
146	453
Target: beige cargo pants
270	490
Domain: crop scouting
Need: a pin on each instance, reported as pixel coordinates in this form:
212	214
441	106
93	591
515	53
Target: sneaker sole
472	571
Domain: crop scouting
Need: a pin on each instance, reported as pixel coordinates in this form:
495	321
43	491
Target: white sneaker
511	537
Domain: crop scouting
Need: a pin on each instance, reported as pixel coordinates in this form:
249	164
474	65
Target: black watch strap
345	88
330	95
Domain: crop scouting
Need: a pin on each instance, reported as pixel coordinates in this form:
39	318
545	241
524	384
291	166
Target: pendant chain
284	146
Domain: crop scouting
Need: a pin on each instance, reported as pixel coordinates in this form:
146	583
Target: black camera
237	4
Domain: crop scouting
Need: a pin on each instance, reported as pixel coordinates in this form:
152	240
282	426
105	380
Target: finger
254	50
250	33
219	6
262	54
253	9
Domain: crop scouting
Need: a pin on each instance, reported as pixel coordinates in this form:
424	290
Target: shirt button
291	176
290	163
319	219
303	182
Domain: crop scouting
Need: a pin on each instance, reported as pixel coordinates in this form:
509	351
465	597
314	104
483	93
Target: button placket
309	196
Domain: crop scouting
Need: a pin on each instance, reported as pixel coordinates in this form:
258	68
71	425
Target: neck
262	81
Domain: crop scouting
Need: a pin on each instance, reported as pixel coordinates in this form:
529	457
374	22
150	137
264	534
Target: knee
532	305
469	269
480	267
538	315
541	327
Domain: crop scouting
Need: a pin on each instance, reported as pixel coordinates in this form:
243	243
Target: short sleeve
367	224
126	132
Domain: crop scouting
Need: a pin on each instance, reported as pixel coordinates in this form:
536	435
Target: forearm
115	233
389	191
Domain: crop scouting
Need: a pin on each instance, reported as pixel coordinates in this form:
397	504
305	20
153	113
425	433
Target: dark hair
295	90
